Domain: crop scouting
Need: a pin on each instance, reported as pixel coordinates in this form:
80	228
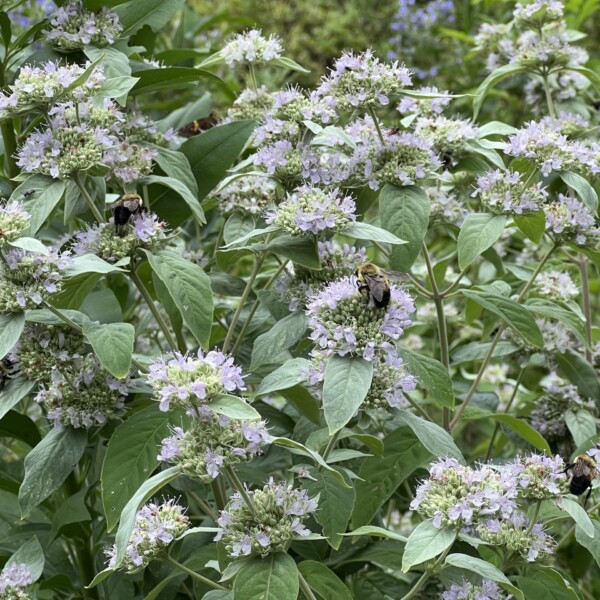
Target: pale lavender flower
425	106
251	47
487	590
556	285
13	578
14	220
568	219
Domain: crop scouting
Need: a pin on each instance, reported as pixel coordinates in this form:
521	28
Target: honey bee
374	283
126	207
198	126
583	472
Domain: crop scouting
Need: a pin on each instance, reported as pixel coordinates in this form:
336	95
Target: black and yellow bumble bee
374	283
126	207
583	472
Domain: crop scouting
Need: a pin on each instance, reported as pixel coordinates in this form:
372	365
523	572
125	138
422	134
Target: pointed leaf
426	542
478	232
11	328
272	578
113	345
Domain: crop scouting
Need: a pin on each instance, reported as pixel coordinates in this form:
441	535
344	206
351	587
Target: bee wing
376	285
397	276
581	469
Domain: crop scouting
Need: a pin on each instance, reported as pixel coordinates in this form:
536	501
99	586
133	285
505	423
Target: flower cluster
251	104
191	381
313	210
83	395
14	220
504	192
112	244
250	194
342	322
35	86
13	579
156	526
534	15
556	285
539	477
446	206
274	521
568	219
448	136
29	278
425	106
363	81
73	26
251	47
212	443
487	590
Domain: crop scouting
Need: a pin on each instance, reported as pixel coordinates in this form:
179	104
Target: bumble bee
374	283
126	207
583	472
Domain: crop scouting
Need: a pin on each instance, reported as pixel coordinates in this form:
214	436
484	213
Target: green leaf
90	263
118	88
176	165
547	584
476	565
346	385
301	250
154	13
437	440
169	78
490	81
49	464
584	190
146	490
579	515
269	346
590	543
238	225
180	188
212	153
272	578
31	245
11	328
233	407
533	225
404	211
552	310
130	457
47	194
13	392
512	313
291	373
113	345
581	425
366	231
432	375
426	542
579	372
376	532
31	554
20	427
288	63
189	286
525	431
380	477
335	504
478	232
323	581
478	351
72	510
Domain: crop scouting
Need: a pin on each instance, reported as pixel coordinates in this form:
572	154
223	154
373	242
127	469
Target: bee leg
587	497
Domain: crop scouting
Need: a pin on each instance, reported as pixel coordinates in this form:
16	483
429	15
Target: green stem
490	352
239	486
520	377
549	100
253	78
305	587
420	289
587	308
536	512
204	506
99	216
330	445
427	574
10	147
450	289
197	576
419	409
155	312
63	317
376	122
219	493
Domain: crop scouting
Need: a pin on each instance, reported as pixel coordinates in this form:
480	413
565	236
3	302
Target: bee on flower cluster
374	283
127	206
583	472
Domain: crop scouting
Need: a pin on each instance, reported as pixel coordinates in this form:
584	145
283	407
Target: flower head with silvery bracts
446	207
44	349
73	26
555	285
249	194
156	526
550	50
29	278
251	47
336	261
129	161
277	519
494	40
138	127
569	220
273	129
13	578
41	86
539	477
534	15
505	192
459	496
342	322
282	159
425	106
486	590
83	395
190	381
212	443
144	231
251	104
513	534
363	81
14	220
568	123
448	136
292	104
313	210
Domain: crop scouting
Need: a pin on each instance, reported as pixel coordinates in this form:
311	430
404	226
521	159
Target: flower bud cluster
363	81
534	15
129	161
313	210
112	244
294	105
156	526
13	579
29	278
569	220
276	519
190	381
446	206
503	192
73	26
14	220
251	104
212	443
487	590
539	477
251	47
250	194
38	86
448	136
283	159
555	285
